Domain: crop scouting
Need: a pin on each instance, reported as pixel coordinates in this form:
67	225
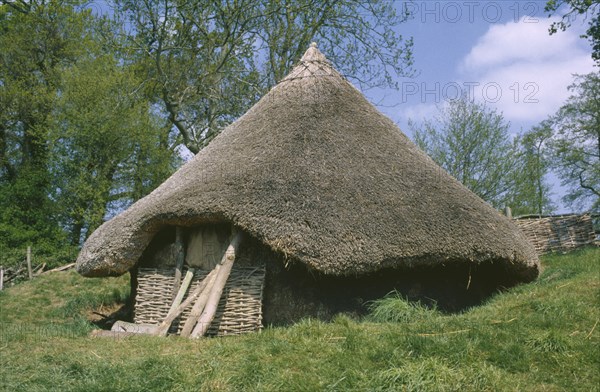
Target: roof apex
313	54
312	63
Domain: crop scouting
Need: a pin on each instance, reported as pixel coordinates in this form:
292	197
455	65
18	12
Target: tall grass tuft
394	308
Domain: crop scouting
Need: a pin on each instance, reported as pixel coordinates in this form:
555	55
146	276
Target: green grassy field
544	336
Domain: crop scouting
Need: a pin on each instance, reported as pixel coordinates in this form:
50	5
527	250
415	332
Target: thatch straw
317	174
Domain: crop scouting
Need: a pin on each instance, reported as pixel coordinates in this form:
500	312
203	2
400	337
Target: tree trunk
76	232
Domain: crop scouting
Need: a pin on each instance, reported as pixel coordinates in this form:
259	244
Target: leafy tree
582	8
38	40
576	142
108	149
77	138
196	60
206	62
531	193
471	142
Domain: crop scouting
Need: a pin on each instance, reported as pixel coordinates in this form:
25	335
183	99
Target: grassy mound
542	336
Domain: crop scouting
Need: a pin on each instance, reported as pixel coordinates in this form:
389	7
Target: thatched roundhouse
331	195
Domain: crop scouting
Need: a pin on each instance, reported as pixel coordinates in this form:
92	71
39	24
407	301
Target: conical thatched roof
317	174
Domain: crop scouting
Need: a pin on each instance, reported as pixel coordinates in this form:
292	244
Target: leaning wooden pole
208	314
189	275
164	326
198	308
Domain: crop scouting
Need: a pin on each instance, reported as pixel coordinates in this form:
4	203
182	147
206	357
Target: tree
38	40
360	37
77	138
576	142
108	149
531	193
207	62
471	142
586	8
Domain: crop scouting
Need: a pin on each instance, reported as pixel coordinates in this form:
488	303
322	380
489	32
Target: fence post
1	278
508	212
29	271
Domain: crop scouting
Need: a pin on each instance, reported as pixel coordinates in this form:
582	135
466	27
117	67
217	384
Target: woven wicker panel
558	233
239	310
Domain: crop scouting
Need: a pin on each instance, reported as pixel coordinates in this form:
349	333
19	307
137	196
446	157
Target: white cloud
519	42
523	71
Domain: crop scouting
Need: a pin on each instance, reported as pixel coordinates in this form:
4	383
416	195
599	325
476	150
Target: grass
543	336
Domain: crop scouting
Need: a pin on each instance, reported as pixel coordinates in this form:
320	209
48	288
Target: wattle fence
557	233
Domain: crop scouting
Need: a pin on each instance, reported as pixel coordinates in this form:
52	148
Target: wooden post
179	259
99	333
200	304
124	326
1	278
215	293
164	327
182	289
508	212
29	271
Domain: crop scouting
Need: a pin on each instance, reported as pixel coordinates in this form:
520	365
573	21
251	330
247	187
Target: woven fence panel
558	233
239	310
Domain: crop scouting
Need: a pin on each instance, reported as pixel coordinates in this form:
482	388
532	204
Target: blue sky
499	52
